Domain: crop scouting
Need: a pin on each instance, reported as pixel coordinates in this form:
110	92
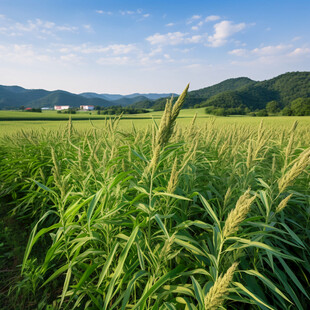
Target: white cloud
195	28
23	54
176	38
296	39
170	38
118	49
73	58
170	24
104	12
195	39
193	18
37	27
224	30
238	52
212	18
124	60
300	51
88	28
136	12
113	49
271	50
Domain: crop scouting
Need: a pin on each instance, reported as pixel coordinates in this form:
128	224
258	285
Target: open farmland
205	213
11	121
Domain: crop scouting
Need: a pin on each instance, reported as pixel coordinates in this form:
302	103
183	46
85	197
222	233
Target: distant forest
286	94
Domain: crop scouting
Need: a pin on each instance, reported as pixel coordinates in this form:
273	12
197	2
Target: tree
272	107
262	112
301	106
287	111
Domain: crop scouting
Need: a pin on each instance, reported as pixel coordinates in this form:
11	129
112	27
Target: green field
140	121
205	213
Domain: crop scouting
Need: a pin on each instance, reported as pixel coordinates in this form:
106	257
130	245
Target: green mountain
244	93
13	97
136	96
284	89
240	94
196	97
60	97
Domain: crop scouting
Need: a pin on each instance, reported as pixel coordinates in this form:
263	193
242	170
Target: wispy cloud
88	28
212	18
104	12
170	24
193	19
112	61
175	38
222	31
271	55
270	50
300	51
170	38
37	26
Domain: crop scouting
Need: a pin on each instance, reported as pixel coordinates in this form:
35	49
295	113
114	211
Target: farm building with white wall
87	107
61	107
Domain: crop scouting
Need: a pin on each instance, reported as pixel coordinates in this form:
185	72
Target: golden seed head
216	295
301	163
283	203
238	214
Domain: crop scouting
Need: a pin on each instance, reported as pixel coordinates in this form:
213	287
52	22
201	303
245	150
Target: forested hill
15	97
246	93
284	89
198	96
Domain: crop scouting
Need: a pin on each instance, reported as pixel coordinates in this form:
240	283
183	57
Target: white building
61	107
87	107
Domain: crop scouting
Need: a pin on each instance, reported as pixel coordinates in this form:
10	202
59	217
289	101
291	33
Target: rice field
188	213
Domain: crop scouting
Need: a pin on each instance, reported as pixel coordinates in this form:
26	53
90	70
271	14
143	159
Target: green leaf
171	195
162	226
66	285
293	277
168	276
119	267
198	292
92	206
138	275
209	210
34	237
252	295
107	264
267	282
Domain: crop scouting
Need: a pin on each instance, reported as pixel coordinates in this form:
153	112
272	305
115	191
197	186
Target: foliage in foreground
164	218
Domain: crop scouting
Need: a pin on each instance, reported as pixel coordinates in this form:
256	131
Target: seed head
238	214
216	296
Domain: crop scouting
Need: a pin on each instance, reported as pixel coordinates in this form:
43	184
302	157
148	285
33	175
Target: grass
140	121
201	214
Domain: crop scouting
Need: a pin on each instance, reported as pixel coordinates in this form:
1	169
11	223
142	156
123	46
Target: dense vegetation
242	95
283	89
117	110
163	218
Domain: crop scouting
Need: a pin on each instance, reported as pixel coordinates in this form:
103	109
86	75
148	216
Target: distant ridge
231	93
245	93
13	97
112	97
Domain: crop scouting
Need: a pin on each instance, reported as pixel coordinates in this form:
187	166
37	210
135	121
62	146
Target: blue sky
149	46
